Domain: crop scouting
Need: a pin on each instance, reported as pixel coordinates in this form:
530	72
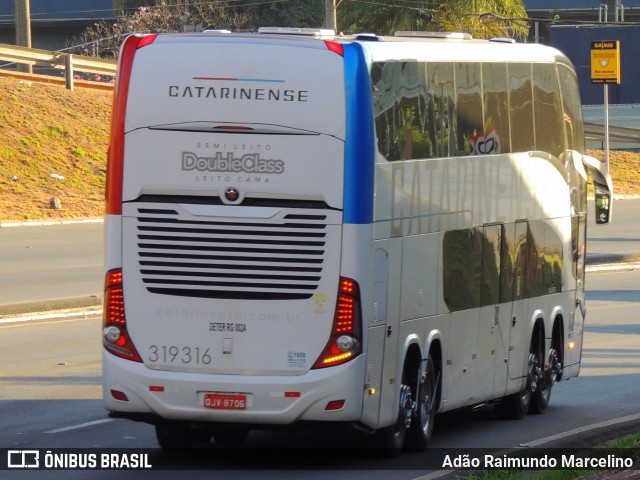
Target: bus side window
469	134
495	92
572	108
462	268
549	122
520	98
491	259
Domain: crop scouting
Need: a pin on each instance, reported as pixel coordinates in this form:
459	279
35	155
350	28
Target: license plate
225	401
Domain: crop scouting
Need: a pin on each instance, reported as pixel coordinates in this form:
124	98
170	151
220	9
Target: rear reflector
334	405
118	395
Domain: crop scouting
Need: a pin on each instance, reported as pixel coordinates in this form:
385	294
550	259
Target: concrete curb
613	267
44	223
66	314
612	262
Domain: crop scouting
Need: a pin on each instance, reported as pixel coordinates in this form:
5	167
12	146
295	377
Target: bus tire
419	433
516	406
230	437
390	440
541	396
177	435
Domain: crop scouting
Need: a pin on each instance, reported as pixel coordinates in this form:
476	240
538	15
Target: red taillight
346	333
114	298
335	47
114	325
147	40
113	191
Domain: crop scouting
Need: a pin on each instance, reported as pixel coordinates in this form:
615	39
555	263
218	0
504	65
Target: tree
154	16
104	38
290	13
481	18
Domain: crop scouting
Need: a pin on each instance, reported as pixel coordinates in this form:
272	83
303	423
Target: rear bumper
270	400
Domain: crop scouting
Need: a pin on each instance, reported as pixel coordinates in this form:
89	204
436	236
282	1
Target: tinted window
521	103
500	263
462	267
469	133
572	107
496	108
548	110
442	109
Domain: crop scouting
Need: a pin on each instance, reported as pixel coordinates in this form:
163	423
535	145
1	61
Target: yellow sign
605	61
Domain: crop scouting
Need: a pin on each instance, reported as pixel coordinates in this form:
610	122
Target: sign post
605	69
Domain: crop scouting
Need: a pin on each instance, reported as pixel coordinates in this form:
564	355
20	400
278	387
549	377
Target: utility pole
23	30
330	18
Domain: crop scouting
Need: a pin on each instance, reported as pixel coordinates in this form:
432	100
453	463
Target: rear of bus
229	297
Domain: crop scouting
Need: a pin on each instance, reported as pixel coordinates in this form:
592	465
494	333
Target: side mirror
603	187
603	205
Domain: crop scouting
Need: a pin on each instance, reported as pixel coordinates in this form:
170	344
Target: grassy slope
46	130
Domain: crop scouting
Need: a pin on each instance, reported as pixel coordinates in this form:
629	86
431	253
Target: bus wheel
230	437
177	435
390	440
542	394
421	428
515	406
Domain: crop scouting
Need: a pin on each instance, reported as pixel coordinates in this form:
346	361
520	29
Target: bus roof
448	46
463	50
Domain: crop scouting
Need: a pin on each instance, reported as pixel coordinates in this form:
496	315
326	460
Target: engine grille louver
254	259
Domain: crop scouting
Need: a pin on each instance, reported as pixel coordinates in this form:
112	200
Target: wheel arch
537	332
558	332
435	351
410	357
558	339
414	357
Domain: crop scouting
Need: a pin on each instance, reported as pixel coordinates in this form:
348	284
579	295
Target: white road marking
81	425
586	428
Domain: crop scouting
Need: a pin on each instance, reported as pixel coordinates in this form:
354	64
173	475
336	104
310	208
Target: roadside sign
605	61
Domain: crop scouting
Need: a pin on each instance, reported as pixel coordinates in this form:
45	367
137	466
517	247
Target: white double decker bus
302	227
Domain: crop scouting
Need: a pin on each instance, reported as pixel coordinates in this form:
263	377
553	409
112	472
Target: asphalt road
620	238
50	398
52	266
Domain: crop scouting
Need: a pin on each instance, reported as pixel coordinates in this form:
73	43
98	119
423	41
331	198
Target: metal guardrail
595	132
52	80
59	60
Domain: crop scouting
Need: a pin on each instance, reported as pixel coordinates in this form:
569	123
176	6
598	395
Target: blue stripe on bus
360	140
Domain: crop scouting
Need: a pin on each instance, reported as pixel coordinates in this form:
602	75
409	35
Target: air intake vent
226	257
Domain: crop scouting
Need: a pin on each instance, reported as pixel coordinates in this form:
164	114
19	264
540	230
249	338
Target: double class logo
227	163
